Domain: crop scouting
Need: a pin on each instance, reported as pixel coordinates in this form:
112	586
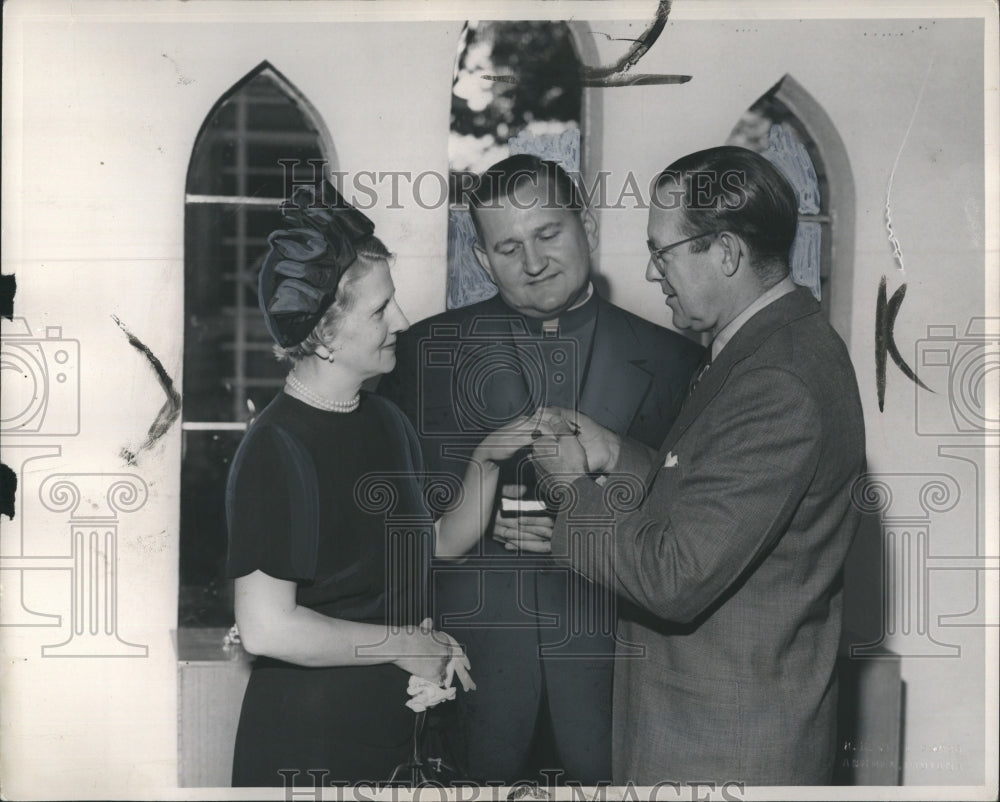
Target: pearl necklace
318	400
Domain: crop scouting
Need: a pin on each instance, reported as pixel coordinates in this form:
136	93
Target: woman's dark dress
300	509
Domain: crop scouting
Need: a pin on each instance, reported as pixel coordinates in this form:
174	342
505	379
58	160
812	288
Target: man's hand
559	454
601	446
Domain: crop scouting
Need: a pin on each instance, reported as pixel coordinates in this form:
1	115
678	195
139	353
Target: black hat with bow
299	278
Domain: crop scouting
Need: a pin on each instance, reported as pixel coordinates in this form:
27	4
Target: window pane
227	347
541	106
239	147
806	256
205	597
770	129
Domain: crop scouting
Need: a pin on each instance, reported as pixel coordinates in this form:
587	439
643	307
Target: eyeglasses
656	254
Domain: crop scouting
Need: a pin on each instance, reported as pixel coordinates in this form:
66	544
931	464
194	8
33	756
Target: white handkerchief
425	694
671	460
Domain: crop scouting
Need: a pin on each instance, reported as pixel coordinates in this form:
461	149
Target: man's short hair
734	189
508	176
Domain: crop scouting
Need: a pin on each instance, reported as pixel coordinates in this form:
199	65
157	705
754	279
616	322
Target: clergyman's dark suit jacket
463	373
735	557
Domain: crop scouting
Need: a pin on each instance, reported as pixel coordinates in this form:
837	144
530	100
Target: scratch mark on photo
8	289
171	408
886	312
615	74
897	252
181	78
8	490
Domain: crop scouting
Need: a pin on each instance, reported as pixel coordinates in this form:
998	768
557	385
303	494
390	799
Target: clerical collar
574	318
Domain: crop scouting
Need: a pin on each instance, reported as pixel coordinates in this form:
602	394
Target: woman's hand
501	444
435	656
461	528
458	666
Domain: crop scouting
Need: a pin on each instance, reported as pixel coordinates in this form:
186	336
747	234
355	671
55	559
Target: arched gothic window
235	184
792	130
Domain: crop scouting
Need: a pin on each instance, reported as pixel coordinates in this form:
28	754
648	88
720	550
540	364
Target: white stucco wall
103	110
102	104
869	77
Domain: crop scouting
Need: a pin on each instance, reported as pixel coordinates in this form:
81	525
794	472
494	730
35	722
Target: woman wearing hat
336	635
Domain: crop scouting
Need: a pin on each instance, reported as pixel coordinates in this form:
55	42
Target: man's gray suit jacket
733	555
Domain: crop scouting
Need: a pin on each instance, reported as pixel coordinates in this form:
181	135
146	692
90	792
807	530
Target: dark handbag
428	764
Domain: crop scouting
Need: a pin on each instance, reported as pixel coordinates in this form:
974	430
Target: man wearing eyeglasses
540	639
733	551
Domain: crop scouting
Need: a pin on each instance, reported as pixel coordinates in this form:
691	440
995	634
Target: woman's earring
325	353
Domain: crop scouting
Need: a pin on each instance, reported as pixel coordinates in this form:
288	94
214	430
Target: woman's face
365	338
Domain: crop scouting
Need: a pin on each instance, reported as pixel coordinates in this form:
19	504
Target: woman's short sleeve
272	507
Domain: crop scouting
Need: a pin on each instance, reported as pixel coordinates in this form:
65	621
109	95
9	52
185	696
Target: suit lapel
614	386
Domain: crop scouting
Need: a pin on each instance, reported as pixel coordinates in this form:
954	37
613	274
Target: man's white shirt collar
782	288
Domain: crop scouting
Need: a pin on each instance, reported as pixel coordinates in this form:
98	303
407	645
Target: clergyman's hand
523	532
